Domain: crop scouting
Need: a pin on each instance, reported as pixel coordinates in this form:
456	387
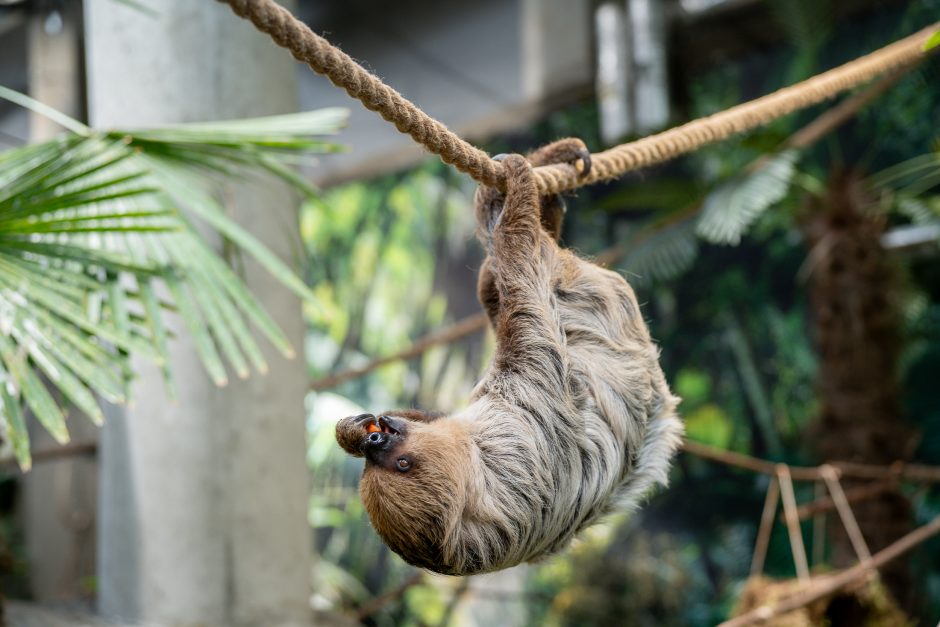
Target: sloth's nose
375	441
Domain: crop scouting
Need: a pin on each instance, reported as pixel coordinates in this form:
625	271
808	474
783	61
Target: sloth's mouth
381	425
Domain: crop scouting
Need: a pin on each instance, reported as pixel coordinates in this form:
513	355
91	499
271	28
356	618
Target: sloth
572	420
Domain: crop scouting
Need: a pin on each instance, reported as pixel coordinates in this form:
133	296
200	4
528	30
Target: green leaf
37	107
158	332
12	414
70	348
30	292
197	328
202	205
224	277
933	42
289	126
65	380
90	225
663	194
49	414
139	6
210	306
709	424
905	172
662	253
693	386
729	210
231	317
121	320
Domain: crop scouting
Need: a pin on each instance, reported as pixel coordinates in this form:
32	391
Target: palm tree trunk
857	330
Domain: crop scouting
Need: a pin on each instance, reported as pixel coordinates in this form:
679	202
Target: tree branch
823	589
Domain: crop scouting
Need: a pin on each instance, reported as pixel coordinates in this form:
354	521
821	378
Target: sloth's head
415	481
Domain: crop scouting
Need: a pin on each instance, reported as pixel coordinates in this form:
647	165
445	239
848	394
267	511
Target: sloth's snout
370	436
376	438
350	433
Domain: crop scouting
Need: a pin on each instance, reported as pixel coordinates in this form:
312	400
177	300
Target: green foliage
733	206
372	250
933	42
709	424
377	256
731	321
99	242
662	253
621	574
808	26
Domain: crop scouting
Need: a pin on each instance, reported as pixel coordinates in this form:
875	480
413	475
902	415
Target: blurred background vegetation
792	322
726	289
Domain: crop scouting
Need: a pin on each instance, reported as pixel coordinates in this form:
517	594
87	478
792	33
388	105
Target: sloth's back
555	464
630	427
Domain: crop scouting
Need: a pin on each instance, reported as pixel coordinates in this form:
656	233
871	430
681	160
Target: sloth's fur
572	420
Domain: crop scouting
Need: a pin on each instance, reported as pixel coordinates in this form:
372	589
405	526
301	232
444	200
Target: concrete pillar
613	61
203	502
58	502
556	47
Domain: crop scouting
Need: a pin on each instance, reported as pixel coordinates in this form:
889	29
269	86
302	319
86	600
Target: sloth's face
414	482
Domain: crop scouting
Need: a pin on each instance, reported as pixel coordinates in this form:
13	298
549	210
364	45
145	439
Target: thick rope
325	58
818	128
739	119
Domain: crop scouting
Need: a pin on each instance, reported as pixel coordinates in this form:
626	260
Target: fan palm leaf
730	210
98	244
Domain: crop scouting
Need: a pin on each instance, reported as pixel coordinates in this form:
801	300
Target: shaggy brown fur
572	419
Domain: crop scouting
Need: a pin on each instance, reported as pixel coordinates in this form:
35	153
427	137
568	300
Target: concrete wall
203	501
14	73
480	67
56	509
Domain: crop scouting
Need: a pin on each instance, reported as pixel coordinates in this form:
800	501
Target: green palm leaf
94	225
729	210
662	251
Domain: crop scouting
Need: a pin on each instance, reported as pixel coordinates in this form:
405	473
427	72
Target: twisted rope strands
324	58
744	117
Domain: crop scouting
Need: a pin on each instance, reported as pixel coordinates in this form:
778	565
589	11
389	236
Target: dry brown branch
857	494
462	328
793	523
845	513
766	526
910	472
62	451
830	586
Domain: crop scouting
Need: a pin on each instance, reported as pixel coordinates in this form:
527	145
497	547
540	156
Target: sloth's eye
403	464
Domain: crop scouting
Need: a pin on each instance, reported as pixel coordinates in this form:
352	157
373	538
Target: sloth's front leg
570	150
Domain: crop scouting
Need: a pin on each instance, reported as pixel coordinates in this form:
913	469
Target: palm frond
98	245
663	250
733	206
911	177
807	23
